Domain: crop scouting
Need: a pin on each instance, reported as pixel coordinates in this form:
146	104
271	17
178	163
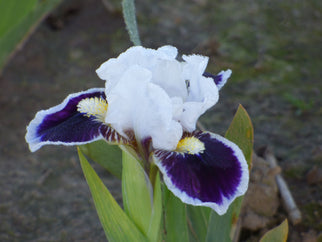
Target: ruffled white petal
168	75
177	108
202	92
137	104
179	92
122	98
154	119
136	55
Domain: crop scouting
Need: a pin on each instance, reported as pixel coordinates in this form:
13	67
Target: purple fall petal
63	124
212	178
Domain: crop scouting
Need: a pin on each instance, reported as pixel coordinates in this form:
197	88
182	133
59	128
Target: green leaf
108	156
17	20
277	234
198	218
20	10
156	216
219	227
130	21
137	192
175	218
240	131
117	225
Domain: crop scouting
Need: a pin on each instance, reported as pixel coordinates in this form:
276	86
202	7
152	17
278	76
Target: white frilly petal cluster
155	95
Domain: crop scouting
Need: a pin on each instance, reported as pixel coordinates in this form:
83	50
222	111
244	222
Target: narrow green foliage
116	224
130	21
156	216
176	228
20	10
240	131
137	192
277	234
108	156
17	20
198	218
219	227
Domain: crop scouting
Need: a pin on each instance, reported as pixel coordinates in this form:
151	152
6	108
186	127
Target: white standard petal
168	51
112	69
123	98
168	75
194	68
177	107
135	103
155	86
202	91
154	118
193	109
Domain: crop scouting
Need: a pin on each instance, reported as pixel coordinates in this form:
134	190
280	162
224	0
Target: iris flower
150	105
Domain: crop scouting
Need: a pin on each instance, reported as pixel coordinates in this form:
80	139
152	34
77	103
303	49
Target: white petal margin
220	209
31	136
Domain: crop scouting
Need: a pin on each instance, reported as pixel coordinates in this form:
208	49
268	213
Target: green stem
153	173
130	21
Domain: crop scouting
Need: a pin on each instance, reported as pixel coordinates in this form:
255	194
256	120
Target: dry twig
293	211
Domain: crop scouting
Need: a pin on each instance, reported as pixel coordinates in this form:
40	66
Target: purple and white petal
205	170
220	79
63	124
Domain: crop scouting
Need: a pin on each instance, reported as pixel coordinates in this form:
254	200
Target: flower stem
153	173
130	21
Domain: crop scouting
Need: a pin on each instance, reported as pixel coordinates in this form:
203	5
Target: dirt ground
273	48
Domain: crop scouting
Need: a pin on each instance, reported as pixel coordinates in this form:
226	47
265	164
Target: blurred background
49	49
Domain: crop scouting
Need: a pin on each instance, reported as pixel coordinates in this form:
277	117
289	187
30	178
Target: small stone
253	221
314	176
261	200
